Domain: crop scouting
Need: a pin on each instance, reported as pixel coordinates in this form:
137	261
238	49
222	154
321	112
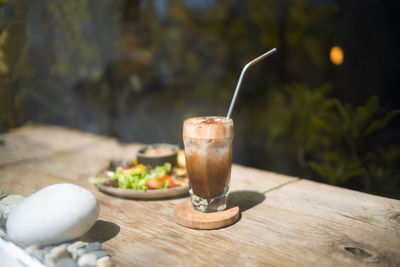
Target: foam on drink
208	127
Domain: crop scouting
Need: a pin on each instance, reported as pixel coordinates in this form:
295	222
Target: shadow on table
245	199
101	231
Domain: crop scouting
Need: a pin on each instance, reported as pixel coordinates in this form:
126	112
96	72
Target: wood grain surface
285	221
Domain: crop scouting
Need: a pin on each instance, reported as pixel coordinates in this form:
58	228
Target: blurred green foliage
79	57
14	70
337	142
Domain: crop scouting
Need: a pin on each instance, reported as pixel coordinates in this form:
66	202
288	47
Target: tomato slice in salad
158	183
154	183
169	180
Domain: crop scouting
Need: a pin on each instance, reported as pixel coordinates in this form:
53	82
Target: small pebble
81	251
47	249
93	246
66	262
76	245
56	254
99	253
105	262
73	249
87	259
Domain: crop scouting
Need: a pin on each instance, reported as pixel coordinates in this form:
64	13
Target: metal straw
241	78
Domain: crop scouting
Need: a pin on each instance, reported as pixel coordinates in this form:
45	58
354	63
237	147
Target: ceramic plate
149	194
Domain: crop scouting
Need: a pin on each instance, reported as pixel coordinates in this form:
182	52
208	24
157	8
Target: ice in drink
208	150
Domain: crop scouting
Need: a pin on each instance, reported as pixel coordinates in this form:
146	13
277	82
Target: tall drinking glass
208	151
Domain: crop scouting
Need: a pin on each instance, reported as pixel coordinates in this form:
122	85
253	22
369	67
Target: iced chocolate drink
208	150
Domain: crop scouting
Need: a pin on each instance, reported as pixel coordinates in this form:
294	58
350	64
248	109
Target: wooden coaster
187	216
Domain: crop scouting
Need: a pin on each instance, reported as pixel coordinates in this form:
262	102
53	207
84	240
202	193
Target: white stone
55	214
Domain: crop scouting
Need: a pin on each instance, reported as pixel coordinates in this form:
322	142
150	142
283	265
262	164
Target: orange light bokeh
336	55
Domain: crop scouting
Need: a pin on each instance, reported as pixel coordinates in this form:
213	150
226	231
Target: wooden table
285	221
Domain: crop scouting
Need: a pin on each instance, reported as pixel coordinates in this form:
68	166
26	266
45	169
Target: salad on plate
139	177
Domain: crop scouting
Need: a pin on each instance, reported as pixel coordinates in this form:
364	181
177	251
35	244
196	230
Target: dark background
136	69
